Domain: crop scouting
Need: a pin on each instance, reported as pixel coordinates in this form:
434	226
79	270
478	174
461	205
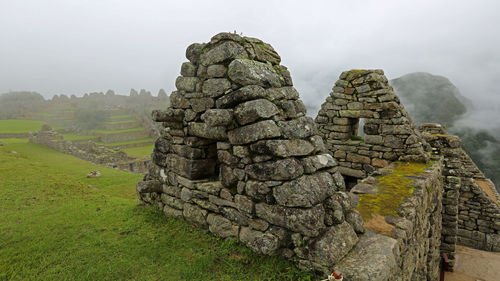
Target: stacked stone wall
389	133
471	217
411	250
239	157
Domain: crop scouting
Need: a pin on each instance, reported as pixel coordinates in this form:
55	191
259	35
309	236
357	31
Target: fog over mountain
74	47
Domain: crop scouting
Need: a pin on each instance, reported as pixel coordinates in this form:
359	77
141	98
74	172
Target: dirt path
475	265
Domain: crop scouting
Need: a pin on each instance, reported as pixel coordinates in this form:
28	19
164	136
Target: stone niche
239	157
363	98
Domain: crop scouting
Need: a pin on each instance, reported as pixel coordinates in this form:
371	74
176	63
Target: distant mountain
430	98
434	99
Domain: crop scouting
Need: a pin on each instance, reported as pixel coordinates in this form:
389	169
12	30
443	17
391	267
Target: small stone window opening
356	131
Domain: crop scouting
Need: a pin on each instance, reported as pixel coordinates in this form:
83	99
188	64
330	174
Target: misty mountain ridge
431	98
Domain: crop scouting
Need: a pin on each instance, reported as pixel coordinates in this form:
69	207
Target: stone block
307	221
225	51
285	169
283	148
254	132
305	191
249	72
254	110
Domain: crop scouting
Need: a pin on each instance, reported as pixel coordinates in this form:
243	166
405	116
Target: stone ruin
387	134
89	150
238	156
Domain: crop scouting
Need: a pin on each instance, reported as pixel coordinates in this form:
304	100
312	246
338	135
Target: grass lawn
55	224
121	121
119	131
139	151
12	126
72	136
150	140
123	116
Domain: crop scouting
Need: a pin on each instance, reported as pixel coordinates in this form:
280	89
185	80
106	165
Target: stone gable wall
239	157
389	132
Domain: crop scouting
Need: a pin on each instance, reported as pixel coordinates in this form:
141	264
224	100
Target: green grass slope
55	224
12	126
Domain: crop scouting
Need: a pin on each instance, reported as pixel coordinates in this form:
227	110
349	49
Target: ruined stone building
239	157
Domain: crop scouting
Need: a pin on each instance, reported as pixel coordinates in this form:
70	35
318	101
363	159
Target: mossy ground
56	224
393	188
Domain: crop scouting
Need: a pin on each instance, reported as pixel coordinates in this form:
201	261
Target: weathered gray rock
221	226
216	70
218	117
223	52
178	101
285	169
305	191
264	243
299	128
283	148
264	52
149	186
212	187
172	212
187	84
246	93
249	72
318	162
189	168
216	87
331	247
195	214
354	218
247	134
288	93
193	52
254	110
363	188
375	257
203	130
168	115
188	69
201	104
307	221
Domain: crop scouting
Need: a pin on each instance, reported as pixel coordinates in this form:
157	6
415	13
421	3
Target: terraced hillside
120	130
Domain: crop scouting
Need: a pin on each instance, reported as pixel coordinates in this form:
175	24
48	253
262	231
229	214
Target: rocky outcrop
239	157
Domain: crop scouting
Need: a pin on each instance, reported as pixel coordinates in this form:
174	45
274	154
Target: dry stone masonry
388	133
471	205
238	156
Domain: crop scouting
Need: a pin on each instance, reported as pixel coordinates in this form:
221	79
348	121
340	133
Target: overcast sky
74	47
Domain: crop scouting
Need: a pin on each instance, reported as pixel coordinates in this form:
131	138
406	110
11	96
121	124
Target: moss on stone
393	188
